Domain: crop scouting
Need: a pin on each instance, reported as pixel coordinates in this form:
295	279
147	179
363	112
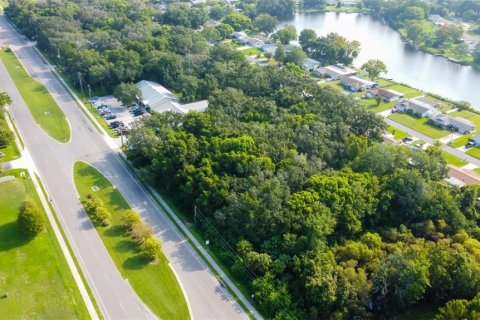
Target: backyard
43	108
156	284
33	272
419	124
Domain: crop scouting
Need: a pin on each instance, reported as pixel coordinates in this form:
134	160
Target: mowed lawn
33	273
371	105
474	152
469	115
44	109
419	124
156	284
10	152
454	160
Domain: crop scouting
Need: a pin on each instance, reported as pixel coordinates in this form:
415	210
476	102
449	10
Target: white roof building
160	99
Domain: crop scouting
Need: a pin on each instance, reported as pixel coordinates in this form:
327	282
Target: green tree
378	100
238	21
4	100
296	56
151	248
265	23
374	68
31	218
476	53
127	93
402	279
307	38
280	54
130	217
141	231
286	34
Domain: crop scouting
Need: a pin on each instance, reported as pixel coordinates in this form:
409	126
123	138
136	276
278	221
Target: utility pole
195	216
81	84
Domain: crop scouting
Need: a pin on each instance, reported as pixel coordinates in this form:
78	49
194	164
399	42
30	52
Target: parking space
116	114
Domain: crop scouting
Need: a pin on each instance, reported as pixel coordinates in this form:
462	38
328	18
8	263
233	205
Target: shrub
141	231
102	216
151	248
31	218
130	218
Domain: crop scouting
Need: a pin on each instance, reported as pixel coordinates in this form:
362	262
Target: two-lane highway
206	297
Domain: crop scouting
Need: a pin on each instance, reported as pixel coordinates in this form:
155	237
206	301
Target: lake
406	65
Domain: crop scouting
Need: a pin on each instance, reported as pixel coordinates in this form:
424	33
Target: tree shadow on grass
126	246
12	236
135	263
115	231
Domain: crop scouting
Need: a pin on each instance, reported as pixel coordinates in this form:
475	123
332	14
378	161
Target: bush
141	231
31	218
151	248
130	218
5	135
102	216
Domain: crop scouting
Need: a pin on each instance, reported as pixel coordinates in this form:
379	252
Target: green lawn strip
460	142
454	160
171	204
16	130
469	115
250	51
43	108
397	133
383	83
474	152
11	152
155	284
407	91
477	171
419	124
371	105
33	272
84	280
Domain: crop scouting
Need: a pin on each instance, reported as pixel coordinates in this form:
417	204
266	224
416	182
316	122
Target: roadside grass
155	284
454	160
43	108
419	124
474	152
33	272
397	133
469	115
460	142
477	171
250	51
11	152
407	91
371	105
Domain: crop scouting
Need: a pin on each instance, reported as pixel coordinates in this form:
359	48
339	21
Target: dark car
407	139
110	116
138	113
92	99
114	124
105	112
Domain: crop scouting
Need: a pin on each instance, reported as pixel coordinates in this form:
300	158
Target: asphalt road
446	148
206	297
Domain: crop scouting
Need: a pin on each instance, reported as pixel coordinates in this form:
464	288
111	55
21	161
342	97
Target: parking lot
112	110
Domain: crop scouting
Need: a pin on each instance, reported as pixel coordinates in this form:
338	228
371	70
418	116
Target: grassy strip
460	142
33	272
240	285
43	108
156	284
89	291
474	152
16	130
419	124
397	133
11	152
454	160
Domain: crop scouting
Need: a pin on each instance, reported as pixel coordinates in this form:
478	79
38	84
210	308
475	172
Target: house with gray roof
417	107
387	94
334	72
456	124
357	84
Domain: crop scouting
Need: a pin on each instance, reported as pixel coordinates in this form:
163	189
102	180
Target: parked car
93	99
103	108
394	110
407	139
110	116
116	124
121	131
104	112
138	113
470	144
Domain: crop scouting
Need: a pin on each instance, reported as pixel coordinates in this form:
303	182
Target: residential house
334	72
460	125
357	84
387	94
269	48
476	139
311	64
254	42
160	99
417	107
439	20
239	35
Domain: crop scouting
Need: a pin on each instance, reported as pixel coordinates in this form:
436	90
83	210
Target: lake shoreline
355	10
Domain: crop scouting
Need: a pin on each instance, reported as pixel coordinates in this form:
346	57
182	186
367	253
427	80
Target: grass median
33	272
42	106
155	284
